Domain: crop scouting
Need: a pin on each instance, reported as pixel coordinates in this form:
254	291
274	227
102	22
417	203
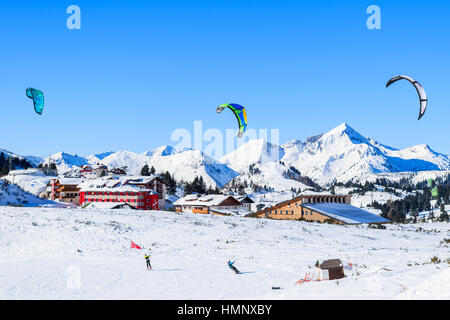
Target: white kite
420	91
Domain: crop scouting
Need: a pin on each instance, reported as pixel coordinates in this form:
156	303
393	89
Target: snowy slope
165	150
133	161
252	152
266	167
270	174
30	180
95	159
86	254
413	177
183	165
33	160
292	150
7	152
187	165
66	161
12	195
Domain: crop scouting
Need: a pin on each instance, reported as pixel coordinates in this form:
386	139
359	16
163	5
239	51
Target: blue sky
137	70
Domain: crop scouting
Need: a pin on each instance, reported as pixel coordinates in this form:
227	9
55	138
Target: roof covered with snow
108	205
345	213
142	179
231	212
71	181
202	201
110	185
31	171
245	199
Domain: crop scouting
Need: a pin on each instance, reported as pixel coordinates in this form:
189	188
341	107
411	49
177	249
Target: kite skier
232	267
147	259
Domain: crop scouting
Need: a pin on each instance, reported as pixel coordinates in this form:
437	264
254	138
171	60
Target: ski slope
85	254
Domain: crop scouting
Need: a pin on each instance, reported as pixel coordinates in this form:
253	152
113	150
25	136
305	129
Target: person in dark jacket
147	259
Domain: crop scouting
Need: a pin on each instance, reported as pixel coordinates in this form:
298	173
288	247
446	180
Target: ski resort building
89	172
321	208
154	183
209	204
146	193
118	190
65	190
246	202
118	171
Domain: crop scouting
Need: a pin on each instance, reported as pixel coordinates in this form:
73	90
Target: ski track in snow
41	248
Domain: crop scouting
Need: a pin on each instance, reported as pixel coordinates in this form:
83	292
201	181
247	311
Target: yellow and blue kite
239	112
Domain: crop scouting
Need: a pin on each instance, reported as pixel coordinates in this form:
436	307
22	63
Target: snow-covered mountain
341	154
33	160
255	151
66	161
183	165
133	161
165	151
344	154
259	163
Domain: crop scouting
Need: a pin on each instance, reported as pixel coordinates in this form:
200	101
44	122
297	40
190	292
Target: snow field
50	253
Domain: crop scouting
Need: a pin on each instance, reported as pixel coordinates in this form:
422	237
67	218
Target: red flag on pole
134	245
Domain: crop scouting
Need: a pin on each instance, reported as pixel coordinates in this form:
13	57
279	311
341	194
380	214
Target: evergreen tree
144	171
170	181
444	214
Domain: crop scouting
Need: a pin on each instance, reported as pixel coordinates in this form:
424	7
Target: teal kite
38	99
239	112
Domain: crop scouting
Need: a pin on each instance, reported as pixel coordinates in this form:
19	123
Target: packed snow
50	253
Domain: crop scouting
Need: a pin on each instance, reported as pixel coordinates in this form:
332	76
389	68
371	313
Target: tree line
8	163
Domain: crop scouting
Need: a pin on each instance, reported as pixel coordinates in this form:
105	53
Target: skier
230	265
147	259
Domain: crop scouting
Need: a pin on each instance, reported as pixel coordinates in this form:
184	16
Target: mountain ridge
341	154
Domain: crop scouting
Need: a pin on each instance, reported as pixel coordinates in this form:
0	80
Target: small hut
330	269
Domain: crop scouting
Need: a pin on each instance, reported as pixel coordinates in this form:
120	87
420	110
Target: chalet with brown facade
320	208
65	190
